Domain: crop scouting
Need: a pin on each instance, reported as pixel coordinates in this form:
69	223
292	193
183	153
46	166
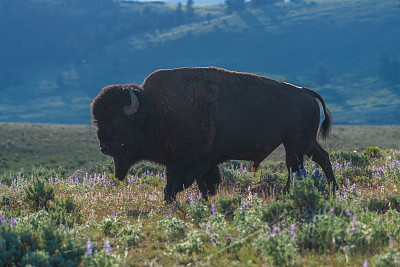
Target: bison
193	119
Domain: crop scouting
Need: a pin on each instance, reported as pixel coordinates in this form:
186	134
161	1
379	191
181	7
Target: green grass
27	145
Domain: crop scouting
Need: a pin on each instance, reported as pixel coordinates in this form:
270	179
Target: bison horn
133	107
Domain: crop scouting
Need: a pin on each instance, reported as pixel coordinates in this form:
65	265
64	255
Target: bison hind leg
208	183
321	157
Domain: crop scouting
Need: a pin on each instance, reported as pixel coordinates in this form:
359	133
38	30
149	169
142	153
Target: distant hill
346	50
196	2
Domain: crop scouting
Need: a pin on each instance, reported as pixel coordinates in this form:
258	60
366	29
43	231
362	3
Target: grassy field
75	146
50	217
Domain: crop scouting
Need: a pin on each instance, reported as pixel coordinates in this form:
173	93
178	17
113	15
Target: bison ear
134	106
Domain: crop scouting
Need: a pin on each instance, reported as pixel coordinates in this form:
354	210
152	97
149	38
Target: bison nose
104	149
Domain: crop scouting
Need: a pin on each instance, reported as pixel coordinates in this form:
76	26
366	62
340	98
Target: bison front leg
209	182
182	176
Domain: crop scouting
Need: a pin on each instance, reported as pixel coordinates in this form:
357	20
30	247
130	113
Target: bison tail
325	127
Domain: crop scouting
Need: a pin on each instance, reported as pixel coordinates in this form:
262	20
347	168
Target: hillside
332	46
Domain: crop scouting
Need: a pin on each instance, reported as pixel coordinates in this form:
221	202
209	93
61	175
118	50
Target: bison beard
193	119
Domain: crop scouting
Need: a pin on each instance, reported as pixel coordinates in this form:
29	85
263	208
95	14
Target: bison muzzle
193	119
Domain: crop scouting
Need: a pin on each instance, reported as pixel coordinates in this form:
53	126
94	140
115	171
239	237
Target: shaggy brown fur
193	119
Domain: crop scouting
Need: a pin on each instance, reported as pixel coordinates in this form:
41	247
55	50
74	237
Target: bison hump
186	106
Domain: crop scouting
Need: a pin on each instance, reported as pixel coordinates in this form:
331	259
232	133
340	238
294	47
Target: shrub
228	206
278	246
275	212
36	240
372	152
193	243
215	227
38	193
110	225
390	257
304	197
377	204
354	158
198	211
247	220
173	227
65	211
129	235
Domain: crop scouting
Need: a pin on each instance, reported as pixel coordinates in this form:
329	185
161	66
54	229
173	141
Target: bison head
116	115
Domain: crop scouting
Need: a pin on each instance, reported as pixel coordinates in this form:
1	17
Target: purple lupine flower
295	175
276	230
332	210
354	219
169	216
348	213
348	183
365	263
107	246
245	205
3	219
200	196
292	228
12	223
89	248
345	192
354	187
113	215
213	209
354	228
214	242
228	239
191	198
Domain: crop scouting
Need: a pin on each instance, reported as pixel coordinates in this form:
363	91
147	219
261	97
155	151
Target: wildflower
292	228
354	228
191	198
170	217
365	264
107	246
354	187
214	242
354	218
245	205
332	210
200	196
255	195
345	192
348	183
89	248
113	215
348	213
276	230
228	239
3	219
12	223
213	209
